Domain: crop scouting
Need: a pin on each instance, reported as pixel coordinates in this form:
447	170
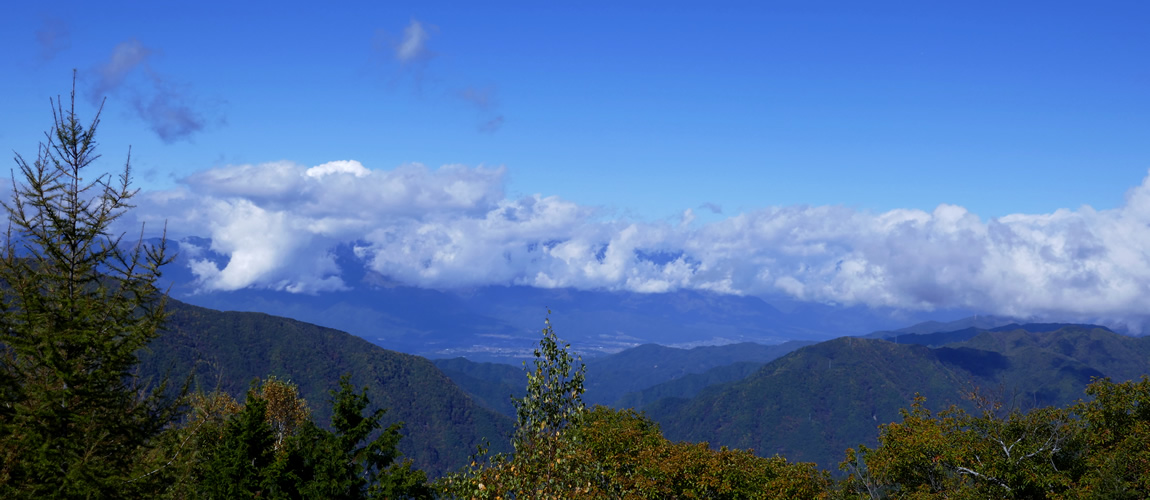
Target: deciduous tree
993	454
1117	433
563	450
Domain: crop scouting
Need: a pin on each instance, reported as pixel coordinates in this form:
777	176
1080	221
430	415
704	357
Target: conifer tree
249	459
77	303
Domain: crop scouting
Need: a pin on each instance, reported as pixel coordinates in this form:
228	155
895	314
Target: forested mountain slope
689	385
491	384
229	349
815	402
635	369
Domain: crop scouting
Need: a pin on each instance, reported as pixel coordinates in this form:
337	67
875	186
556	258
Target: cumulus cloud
277	224
352	167
168	108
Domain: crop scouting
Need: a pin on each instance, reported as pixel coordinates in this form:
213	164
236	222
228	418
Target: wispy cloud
170	109
413	54
125	58
409	51
490	126
712	207
486	102
687	218
482	98
54	36
453	227
169	112
412	47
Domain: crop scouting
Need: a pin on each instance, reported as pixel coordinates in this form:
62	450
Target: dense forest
110	390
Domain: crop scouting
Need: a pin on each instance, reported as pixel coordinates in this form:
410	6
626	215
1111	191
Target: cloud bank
277	224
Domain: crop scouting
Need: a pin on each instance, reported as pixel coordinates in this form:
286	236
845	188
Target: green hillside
491	384
1117	356
689	385
815	402
611	377
229	349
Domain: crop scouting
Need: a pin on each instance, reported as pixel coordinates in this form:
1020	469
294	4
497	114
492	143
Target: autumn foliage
1092	449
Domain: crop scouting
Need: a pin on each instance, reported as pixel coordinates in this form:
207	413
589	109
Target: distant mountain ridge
978	322
818	400
1046	327
611	377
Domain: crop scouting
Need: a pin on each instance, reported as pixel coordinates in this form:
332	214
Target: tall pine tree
76	305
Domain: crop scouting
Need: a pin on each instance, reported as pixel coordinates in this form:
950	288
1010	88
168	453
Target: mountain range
806	401
613	379
778	377
810	401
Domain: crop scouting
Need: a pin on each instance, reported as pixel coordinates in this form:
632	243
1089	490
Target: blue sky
631	115
650	109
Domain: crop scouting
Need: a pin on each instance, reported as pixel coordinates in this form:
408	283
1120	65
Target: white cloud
687	218
267	180
452	226
413	46
352	167
277	222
